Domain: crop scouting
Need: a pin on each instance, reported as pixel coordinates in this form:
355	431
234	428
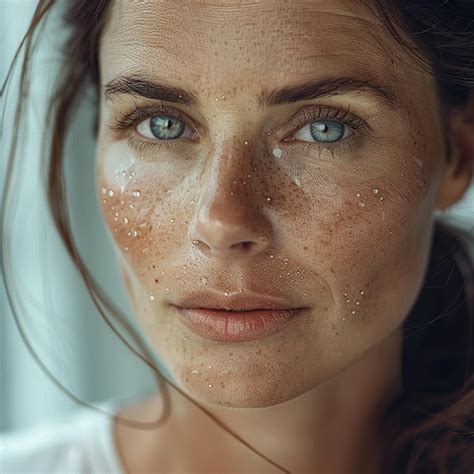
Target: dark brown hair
429	427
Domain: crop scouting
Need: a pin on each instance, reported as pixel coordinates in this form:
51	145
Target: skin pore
343	227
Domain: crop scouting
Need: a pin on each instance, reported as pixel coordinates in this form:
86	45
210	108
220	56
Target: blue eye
166	127
324	131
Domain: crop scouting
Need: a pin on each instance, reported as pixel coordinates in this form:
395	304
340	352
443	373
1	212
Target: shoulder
77	442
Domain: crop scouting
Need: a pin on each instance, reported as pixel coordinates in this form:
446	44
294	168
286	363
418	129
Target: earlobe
460	169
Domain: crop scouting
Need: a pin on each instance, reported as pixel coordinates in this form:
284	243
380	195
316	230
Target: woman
270	174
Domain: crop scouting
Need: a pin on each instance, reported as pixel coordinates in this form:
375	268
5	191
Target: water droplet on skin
167	289
124	173
172	219
115	218
133	173
162	273
194	371
348	301
210	385
110	193
362	204
337	214
353	312
104	201
125	220
376	191
116	214
381	198
131	206
193	202
357	303
361	292
152	297
269	199
126	249
297	181
226	293
358	195
277	152
343	319
136	193
231	194
209	366
104	191
204	280
271	256
345	294
134	233
246	142
268	134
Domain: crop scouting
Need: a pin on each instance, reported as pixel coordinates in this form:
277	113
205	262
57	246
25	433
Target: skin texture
337	230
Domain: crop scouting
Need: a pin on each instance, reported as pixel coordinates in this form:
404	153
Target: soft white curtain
60	321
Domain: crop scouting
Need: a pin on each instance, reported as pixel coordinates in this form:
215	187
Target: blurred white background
60	320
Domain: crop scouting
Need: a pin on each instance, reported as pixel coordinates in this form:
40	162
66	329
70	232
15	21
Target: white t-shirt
79	443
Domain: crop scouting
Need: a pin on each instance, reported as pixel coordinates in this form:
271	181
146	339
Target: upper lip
233	302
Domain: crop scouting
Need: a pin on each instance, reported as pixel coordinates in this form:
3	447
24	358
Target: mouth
236	326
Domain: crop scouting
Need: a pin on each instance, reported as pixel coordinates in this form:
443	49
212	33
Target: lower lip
230	326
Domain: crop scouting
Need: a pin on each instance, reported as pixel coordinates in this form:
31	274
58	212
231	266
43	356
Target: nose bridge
228	217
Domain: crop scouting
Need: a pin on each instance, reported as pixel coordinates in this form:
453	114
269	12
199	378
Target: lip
239	326
234	301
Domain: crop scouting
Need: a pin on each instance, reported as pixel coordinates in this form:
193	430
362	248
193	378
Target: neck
329	429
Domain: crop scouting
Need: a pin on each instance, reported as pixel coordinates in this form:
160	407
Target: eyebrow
310	90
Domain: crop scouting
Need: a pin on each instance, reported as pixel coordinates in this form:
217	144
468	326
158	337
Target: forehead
218	42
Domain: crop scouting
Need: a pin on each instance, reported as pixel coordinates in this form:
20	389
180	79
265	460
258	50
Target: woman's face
323	198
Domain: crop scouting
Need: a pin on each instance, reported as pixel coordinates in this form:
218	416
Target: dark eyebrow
306	91
326	88
149	89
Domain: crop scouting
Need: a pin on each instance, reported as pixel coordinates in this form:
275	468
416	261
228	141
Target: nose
229	217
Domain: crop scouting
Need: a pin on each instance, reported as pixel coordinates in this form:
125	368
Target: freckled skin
199	198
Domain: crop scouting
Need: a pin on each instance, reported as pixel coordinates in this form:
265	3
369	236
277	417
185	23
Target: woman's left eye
164	127
323	130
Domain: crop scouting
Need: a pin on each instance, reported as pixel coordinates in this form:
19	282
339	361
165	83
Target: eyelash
310	114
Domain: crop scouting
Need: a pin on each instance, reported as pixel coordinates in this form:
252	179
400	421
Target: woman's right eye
164	127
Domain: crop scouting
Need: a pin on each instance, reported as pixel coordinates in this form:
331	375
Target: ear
460	168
